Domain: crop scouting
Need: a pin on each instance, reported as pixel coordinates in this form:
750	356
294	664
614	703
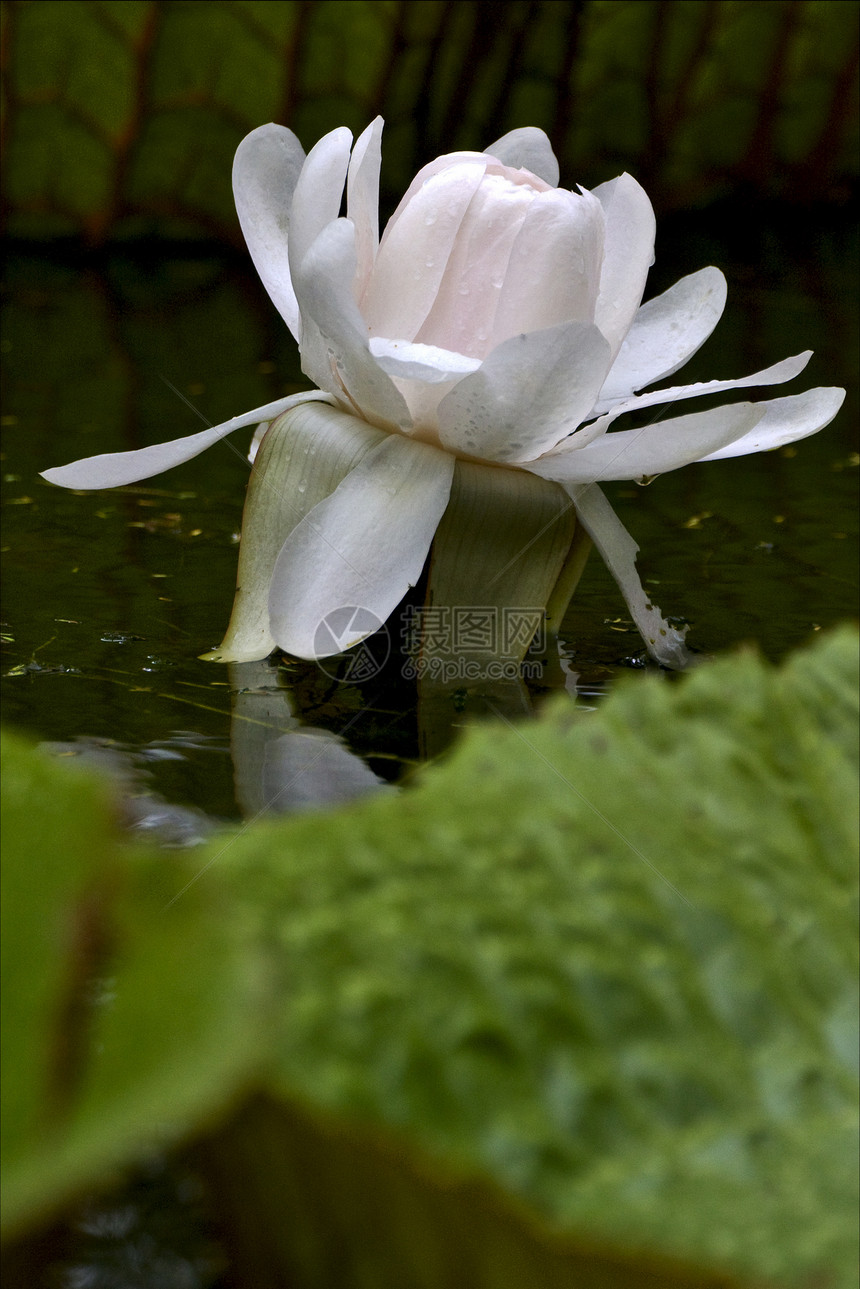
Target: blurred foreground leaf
605	963
124	1018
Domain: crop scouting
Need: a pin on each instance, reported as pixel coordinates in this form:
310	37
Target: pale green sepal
568	580
499	550
301	460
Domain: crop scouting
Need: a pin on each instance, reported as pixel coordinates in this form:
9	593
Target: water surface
110	597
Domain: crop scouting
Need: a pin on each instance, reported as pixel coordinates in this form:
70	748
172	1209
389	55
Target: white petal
786	420
553	272
426	363
265	173
628	253
527	148
259	435
653	449
530	392
341	361
414	252
316	204
775	375
432	168
666	332
463	313
362	201
618	550
317	198
363	547
114	469
301	461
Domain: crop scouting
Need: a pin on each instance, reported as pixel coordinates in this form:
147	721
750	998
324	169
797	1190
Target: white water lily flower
498	320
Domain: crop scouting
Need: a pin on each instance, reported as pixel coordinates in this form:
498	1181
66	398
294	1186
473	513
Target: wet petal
426	363
445	162
300	462
362	201
259	435
414	252
463	313
340	360
506	535
553	272
364	546
786	420
618	550
115	469
666	332
775	375
628	253
316	204
318	194
529	393
265	173
653	449
527	148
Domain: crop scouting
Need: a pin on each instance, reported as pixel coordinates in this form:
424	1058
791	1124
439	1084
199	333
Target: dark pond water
110	597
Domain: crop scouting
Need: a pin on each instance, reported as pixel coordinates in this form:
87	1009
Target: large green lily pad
121	119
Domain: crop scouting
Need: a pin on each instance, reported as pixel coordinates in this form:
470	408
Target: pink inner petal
463	313
414	252
553	271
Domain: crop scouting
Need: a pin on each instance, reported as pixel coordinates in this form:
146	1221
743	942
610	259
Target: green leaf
125	1016
322	1202
54	931
608	961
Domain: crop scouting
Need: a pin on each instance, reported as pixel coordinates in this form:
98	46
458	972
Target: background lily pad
122	119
